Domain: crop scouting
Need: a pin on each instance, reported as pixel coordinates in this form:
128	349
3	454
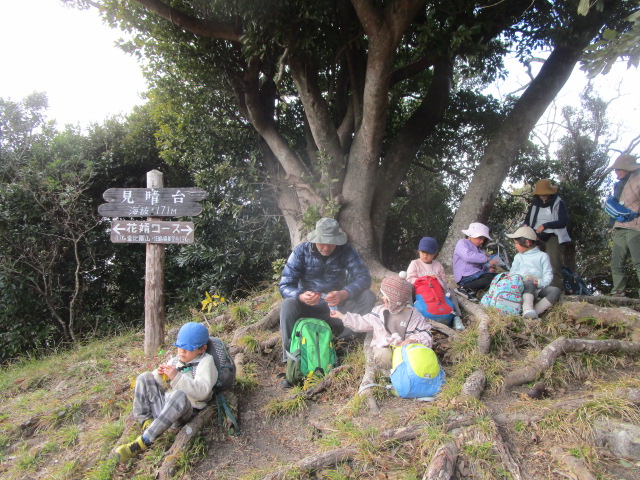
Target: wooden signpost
152	202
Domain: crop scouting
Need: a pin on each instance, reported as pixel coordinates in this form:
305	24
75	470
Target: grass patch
294	404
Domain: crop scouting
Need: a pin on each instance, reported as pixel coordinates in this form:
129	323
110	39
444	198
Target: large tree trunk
503	149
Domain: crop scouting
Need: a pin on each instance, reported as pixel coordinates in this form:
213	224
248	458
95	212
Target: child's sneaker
466	293
127	451
617	293
457	323
146	424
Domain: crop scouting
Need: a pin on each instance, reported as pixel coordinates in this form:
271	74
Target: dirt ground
268	444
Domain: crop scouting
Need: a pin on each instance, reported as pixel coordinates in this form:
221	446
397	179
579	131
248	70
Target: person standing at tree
625	235
324	272
548	216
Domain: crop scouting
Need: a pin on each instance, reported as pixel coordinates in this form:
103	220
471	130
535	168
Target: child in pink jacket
395	322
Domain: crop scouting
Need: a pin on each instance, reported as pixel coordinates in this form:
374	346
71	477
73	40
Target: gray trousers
626	242
151	402
551	293
292	309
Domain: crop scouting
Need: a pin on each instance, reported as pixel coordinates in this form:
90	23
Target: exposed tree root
442	328
608	316
369	376
474	385
575	466
476	311
324	383
632	395
603	299
189	431
561	345
345	454
443	463
267	322
270	342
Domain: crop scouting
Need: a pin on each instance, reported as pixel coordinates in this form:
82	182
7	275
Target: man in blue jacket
320	274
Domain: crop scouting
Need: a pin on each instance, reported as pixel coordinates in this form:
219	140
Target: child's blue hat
428	245
192	335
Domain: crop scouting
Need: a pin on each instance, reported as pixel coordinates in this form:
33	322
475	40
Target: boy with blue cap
174	392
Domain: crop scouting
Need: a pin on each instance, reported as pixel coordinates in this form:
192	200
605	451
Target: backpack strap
221	404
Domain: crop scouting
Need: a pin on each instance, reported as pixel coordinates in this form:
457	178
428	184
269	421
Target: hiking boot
617	293
127	451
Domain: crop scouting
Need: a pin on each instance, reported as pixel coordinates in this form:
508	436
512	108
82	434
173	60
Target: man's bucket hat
477	230
625	162
545	187
327	232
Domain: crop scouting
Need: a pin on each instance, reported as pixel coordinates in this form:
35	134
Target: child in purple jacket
473	269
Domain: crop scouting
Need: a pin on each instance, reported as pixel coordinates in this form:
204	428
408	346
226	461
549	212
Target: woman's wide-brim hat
545	187
625	162
477	230
327	232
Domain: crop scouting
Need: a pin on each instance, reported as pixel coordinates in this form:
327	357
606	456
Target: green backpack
311	350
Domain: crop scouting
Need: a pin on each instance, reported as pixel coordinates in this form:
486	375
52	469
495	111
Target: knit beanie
398	291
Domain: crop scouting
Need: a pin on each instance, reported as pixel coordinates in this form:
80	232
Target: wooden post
154	284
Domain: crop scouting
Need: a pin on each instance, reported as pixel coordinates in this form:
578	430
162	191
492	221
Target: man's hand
310	298
540	229
336	297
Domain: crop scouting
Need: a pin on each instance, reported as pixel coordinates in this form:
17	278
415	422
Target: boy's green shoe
127	451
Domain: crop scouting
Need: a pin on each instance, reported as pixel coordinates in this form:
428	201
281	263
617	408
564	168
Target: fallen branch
548	355
575	466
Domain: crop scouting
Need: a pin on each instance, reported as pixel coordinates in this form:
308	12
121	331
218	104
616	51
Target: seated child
426	265
473	269
535	267
395	322
174	392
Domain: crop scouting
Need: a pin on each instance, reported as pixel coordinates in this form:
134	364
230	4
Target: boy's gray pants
151	402
292	309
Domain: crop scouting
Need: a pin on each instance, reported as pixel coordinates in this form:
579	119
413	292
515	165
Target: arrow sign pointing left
139	231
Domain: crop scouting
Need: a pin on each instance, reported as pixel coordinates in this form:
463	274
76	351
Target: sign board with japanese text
152	202
135	231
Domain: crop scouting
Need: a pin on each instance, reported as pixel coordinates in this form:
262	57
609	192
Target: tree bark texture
548	355
154	316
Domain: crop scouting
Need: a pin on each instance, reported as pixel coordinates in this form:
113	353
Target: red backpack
431	301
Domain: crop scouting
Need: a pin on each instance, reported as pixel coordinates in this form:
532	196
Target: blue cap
428	245
191	336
